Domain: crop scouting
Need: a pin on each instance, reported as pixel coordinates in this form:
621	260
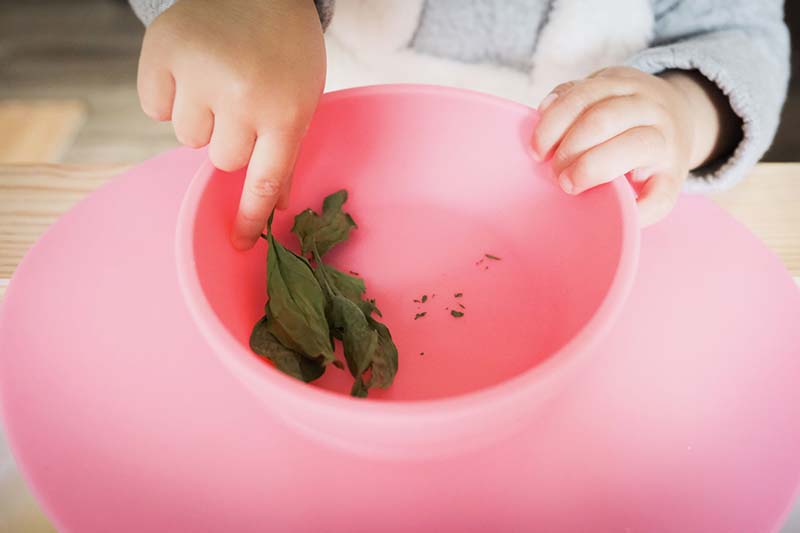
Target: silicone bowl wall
438	178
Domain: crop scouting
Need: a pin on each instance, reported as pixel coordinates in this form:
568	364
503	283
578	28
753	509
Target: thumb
657	197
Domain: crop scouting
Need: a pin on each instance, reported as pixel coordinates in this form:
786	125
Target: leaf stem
321	267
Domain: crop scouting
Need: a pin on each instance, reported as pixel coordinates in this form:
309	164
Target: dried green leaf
367	343
287	361
359	339
350	287
457	314
324	231
384	360
296	305
492	257
308	307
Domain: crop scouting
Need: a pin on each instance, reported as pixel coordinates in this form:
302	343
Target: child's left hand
619	121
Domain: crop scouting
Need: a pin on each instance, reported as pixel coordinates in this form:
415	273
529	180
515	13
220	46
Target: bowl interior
437	180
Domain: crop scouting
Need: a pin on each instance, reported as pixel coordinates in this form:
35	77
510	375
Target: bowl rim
472	405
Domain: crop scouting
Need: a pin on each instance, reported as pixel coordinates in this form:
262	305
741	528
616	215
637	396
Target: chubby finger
156	88
657	197
267	174
193	122
643	146
601	122
286	189
564	110
555	93
231	143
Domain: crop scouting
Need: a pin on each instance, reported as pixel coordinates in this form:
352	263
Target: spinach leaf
296	307
290	362
324	231
384	360
310	306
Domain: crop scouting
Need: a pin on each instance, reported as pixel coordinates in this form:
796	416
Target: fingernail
566	183
549	99
535	155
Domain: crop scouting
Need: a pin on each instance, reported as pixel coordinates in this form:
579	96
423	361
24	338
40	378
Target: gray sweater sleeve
148	10
742	46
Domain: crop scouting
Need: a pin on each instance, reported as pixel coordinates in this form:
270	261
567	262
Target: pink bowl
437	178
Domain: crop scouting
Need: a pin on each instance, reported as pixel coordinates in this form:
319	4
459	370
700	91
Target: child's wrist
696	117
714	127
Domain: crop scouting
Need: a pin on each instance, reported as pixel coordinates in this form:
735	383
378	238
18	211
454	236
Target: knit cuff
148	10
732	167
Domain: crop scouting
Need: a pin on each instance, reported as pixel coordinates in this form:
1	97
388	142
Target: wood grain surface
38	131
768	203
33	196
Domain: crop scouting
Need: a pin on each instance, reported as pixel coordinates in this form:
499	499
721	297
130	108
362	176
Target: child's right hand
244	76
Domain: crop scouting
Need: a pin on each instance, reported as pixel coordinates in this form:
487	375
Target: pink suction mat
684	417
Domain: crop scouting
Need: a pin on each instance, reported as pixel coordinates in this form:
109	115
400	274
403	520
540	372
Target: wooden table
33	196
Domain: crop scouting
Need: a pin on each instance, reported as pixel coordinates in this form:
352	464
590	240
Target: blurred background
68	95
68	86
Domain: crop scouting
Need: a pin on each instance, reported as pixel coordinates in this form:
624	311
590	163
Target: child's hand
622	120
244	76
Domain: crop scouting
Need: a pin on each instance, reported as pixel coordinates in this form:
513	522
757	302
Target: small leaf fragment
457	314
420	315
492	257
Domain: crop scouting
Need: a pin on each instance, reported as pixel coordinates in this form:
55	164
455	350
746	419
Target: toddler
676	94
